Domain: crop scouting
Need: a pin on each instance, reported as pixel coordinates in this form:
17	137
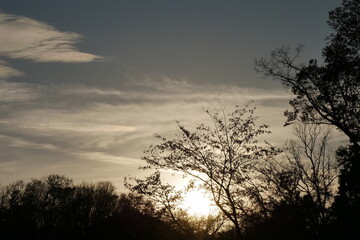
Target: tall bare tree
303	181
309	169
224	158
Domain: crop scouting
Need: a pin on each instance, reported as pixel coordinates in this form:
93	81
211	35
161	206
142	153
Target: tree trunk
239	235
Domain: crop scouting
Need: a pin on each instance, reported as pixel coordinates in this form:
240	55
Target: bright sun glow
198	203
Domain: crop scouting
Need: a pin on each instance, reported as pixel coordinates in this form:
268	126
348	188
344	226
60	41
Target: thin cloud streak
20	143
108	158
148	91
11	92
7	72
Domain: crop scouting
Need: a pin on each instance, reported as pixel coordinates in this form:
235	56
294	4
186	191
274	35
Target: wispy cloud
120	121
7	72
113	126
108	158
26	38
164	90
20	143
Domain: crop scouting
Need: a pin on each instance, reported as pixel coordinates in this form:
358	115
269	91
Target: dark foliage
347	202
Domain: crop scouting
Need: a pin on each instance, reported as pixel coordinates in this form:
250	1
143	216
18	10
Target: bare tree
309	170
224	158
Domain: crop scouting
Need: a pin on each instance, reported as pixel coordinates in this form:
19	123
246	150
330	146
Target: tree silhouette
328	93
304	181
167	201
224	158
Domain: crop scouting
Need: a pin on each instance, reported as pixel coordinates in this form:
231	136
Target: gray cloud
11	92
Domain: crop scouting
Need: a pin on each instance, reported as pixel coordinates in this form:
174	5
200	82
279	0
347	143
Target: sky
85	84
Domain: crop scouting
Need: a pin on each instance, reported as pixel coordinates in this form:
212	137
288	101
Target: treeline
55	208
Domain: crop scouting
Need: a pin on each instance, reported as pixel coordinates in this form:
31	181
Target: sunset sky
85	84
